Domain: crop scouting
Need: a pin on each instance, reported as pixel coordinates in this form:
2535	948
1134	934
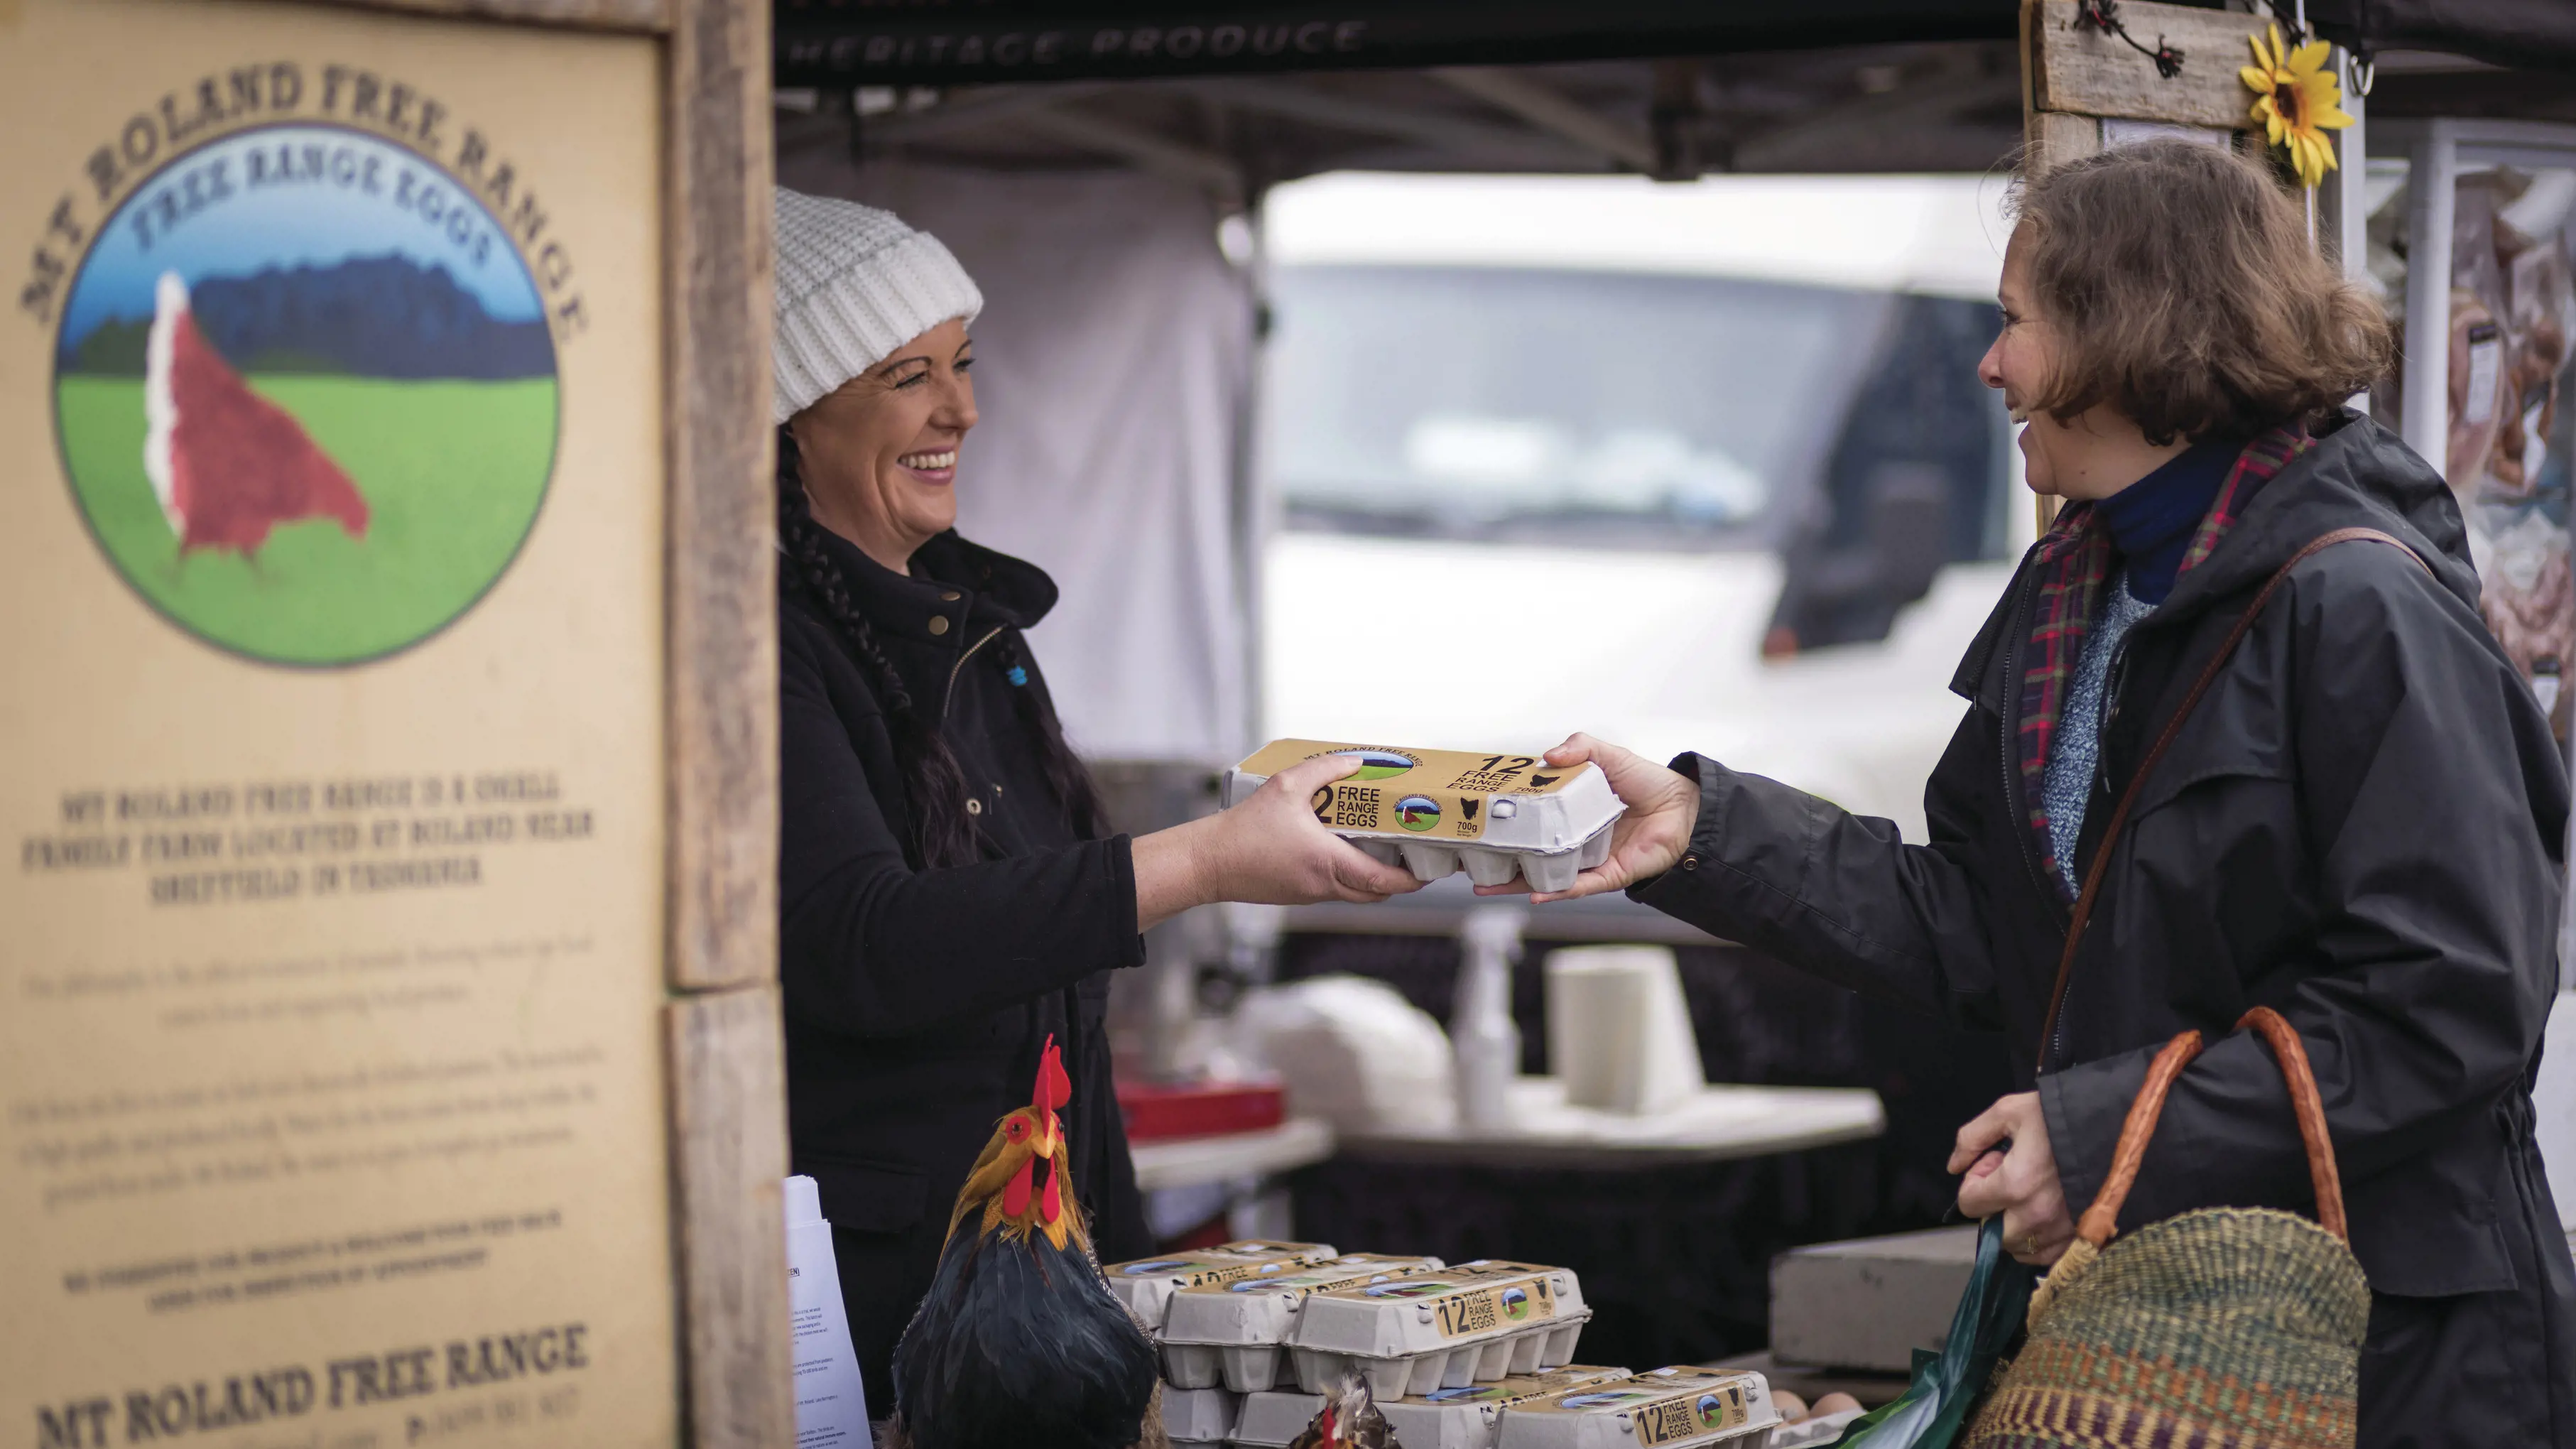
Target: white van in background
1700	466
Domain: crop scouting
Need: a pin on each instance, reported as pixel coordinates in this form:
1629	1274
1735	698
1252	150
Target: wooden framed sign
390	1050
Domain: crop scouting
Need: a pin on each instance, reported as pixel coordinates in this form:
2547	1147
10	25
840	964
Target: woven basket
2230	1328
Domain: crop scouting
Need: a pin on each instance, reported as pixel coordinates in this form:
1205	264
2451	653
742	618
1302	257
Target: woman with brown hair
2358	825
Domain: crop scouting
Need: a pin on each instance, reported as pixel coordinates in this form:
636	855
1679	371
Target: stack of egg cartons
1221	1341
1465	1418
1668	1408
1204	1413
1146	1285
1444	1353
1476	1323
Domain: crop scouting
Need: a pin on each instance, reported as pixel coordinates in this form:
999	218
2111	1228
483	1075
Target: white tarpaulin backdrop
1112	365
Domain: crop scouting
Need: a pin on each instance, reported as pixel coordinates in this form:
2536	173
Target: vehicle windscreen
1563	406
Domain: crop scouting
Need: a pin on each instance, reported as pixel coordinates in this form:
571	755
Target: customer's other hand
1663	808
2012	1170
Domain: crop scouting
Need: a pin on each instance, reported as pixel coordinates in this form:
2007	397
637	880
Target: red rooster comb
1054	1088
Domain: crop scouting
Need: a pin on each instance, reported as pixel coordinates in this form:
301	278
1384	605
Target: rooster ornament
1019	1341
1348	1420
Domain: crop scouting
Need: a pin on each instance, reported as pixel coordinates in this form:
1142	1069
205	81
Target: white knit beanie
853	284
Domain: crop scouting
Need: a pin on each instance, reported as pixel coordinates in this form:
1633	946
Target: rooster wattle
1018	1340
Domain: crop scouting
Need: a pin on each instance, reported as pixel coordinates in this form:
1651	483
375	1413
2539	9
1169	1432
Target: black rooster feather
1019	1341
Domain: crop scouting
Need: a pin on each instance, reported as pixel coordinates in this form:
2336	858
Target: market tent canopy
838	43
832	42
2524	33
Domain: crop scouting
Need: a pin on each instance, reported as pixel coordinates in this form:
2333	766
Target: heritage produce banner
330	746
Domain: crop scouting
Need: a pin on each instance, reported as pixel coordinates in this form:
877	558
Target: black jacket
2359	826
917	1001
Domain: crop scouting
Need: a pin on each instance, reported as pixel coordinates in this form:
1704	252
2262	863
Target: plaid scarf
2073	561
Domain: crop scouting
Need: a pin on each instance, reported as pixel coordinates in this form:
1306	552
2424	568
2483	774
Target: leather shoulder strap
2102	1219
2209	673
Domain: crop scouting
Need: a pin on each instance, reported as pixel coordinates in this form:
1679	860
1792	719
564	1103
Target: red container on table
1199	1109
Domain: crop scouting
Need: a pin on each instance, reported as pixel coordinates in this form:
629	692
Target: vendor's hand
1663	809
1268	850
2011	1170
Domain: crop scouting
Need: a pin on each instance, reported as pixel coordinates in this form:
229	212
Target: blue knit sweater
2151	523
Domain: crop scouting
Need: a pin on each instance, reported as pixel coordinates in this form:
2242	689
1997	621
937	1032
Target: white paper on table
831	1400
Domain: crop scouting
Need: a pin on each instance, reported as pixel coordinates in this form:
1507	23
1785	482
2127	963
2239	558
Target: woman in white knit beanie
949	893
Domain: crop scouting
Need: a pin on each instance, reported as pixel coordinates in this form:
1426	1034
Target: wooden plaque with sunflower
2161	68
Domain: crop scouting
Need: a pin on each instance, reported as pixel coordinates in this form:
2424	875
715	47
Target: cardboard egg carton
1235	1333
1199	1416
1461	1418
1439	811
1476	1323
1146	1285
1275	1417
1668	1408
1471	1417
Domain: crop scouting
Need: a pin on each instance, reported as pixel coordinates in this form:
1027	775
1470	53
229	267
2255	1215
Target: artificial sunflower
2299	100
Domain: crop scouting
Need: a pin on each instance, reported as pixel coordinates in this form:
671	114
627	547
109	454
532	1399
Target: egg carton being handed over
1438	811
1445	1330
1146	1285
1668	1408
1235	1331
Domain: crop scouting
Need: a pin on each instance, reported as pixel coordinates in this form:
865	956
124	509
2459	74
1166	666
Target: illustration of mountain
384	316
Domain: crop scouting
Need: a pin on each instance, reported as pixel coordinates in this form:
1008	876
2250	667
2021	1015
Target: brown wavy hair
2183	292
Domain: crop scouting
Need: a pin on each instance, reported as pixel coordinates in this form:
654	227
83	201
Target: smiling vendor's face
879	454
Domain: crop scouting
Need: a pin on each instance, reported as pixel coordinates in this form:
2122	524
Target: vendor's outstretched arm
872	946
1753	860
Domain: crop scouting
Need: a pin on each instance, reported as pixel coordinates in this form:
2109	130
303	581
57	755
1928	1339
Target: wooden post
2083	89
728	1076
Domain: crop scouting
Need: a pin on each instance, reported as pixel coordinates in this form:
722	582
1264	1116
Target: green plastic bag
1935	1406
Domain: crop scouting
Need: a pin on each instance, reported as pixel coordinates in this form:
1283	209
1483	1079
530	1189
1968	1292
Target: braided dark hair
1075	791
934	788
934	785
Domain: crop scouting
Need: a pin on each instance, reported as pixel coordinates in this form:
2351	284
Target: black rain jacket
917	1000
2359	826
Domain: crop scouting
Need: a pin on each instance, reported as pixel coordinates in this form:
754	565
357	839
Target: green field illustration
1377	764
451	470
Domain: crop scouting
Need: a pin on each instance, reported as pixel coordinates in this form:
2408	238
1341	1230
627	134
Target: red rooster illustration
227	464
1019	1342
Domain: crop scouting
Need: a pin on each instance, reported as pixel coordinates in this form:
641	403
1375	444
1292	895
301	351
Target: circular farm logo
1516	1303
1712	1411
1417	812
305	392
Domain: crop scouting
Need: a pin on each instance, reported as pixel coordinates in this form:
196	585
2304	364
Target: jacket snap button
950	596
1690	862
938	623
974	806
